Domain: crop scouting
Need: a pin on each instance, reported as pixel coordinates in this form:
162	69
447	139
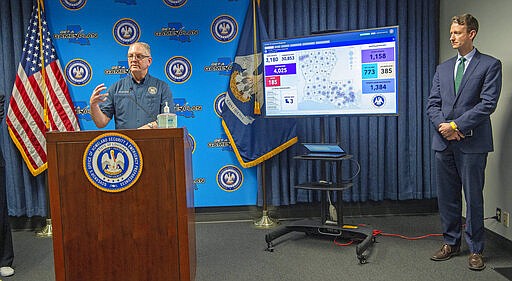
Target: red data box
273	81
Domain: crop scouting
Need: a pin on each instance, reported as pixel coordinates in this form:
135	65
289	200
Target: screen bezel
330	34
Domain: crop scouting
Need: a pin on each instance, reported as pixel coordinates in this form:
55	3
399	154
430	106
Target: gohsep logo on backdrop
167	27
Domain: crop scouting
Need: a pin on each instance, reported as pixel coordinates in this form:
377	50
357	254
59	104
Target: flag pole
265	221
47	230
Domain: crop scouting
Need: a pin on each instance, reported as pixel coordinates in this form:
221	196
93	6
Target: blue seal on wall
78	72
178	69
112	162
230	178
378	101
219	103
126	31
175	3
224	28
73	4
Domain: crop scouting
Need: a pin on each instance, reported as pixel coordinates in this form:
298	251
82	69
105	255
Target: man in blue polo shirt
134	101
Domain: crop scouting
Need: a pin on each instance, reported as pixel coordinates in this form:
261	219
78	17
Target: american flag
40	99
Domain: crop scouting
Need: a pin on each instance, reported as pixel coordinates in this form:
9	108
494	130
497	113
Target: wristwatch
150	125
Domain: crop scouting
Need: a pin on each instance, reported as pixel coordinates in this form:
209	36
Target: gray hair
144	45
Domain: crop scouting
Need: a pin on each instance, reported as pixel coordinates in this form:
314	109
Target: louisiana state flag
253	137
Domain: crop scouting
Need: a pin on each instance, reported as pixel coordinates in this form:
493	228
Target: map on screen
344	73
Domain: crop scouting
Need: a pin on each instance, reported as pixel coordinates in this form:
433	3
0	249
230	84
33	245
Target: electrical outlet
498	214
506	218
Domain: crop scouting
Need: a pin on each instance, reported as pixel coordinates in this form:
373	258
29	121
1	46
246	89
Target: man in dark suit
465	92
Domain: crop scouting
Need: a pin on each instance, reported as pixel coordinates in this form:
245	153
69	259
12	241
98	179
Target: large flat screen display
340	73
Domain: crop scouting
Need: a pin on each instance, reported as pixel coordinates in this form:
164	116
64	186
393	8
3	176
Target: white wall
494	39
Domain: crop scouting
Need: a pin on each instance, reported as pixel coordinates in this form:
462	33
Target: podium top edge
56	136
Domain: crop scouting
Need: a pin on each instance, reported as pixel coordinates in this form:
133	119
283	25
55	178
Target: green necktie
459	74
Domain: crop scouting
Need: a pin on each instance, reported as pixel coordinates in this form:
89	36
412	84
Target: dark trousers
6	249
457	171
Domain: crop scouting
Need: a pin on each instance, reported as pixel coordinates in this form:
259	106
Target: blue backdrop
199	36
394	152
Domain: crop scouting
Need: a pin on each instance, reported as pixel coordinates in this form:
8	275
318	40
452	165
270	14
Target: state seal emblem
112	162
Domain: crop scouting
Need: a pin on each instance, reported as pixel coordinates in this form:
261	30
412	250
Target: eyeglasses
137	56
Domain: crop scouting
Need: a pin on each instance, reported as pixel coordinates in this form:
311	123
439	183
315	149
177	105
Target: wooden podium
145	232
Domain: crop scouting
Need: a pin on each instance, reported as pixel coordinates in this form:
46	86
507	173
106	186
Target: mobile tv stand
326	225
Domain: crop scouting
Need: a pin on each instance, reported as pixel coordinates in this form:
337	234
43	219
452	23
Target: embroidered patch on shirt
152	90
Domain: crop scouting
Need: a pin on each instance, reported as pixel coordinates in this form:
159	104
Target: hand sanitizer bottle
167	119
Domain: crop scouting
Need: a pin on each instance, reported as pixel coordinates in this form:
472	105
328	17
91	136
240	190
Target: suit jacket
471	107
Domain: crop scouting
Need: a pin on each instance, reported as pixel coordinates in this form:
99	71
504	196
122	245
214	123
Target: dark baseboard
308	210
27	223
297	211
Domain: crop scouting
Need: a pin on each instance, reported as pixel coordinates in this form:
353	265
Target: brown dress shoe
476	262
446	252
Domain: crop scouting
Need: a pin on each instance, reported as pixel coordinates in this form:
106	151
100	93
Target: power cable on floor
381	233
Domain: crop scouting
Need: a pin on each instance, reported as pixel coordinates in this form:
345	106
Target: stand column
265	221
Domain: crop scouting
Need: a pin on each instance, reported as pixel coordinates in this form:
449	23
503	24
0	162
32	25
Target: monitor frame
371	96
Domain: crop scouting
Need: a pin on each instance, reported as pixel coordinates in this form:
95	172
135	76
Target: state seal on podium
112	162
